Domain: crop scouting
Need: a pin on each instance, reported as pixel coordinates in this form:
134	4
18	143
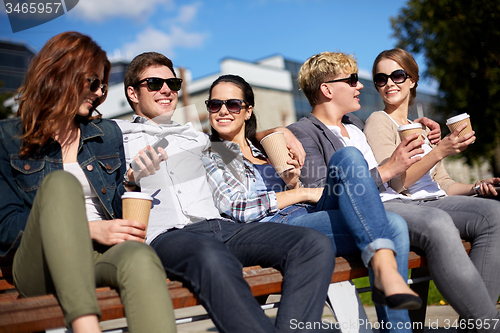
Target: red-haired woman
61	172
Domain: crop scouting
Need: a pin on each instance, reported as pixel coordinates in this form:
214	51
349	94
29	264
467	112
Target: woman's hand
291	177
312	195
111	232
434	135
489	187
147	166
453	144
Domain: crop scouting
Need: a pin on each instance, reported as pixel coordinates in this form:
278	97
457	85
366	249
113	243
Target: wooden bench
34	314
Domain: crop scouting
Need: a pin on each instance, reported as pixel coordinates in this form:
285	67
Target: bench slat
43	312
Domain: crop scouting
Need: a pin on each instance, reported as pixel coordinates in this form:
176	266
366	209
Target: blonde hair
323	67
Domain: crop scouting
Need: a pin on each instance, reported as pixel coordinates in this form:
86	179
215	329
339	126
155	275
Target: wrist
129	183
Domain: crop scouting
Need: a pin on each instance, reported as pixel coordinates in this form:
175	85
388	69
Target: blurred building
15	58
278	99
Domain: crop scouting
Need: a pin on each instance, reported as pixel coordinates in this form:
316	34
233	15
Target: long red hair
50	95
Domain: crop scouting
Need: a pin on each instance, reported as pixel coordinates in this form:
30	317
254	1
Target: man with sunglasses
195	244
330	82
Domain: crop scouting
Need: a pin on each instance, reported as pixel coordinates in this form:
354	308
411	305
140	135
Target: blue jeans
208	257
468	282
352	215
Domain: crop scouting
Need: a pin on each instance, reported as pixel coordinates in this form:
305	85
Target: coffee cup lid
457	118
137	195
409	126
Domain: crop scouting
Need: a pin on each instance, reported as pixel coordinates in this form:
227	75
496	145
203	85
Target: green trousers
56	255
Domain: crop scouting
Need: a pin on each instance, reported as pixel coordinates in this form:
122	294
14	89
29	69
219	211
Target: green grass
434	297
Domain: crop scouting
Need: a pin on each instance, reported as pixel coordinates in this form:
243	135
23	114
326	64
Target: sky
198	34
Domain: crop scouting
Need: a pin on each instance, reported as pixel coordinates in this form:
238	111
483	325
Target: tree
460	40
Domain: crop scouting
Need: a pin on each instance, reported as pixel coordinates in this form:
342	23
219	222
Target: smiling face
393	94
149	103
229	124
88	98
344	97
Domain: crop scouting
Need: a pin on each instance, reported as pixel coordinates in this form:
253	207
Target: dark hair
49	96
406	61
248	96
140	64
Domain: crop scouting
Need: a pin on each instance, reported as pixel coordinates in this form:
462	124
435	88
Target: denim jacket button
108	166
27	167
103	190
90	167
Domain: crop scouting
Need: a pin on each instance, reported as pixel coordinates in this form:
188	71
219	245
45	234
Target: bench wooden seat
34	314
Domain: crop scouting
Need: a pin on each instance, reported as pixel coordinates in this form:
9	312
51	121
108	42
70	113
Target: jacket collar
89	130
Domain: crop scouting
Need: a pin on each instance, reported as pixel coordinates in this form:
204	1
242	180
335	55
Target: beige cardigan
382	135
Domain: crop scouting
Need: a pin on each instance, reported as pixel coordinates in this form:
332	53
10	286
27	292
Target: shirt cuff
273	202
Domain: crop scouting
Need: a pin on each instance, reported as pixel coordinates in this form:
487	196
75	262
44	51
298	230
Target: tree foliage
460	40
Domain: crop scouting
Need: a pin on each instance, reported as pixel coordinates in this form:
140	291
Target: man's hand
294	144
434	135
402	158
147	166
291	177
111	232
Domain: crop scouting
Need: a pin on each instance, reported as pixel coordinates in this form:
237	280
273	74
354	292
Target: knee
316	244
438	230
61	182
136	257
350	155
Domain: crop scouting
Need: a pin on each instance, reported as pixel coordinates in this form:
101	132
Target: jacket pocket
28	173
110	165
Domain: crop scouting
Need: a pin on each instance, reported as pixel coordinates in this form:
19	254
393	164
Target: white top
358	140
180	191
95	211
425	186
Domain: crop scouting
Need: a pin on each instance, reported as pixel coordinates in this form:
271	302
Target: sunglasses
95	83
232	105
156	83
352	80
398	76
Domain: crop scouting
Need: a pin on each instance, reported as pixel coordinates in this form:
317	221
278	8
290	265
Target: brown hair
323	67
56	77
406	61
140	64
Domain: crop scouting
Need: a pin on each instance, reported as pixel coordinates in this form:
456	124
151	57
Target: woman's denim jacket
100	154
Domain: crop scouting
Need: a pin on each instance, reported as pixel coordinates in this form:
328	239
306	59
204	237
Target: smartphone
160	143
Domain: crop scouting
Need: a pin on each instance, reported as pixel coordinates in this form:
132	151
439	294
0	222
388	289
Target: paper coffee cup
275	146
136	206
405	130
456	121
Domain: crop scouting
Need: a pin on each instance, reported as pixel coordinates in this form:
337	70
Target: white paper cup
275	146
409	129
136	206
454	122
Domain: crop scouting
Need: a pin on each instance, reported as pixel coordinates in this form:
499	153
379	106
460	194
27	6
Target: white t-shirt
95	211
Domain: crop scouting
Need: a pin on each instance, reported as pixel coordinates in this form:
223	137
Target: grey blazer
320	144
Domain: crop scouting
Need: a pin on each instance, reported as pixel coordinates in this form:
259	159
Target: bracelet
479	182
477	186
127	182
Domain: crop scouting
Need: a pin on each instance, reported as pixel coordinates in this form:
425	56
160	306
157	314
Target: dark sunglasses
398	76
352	80
95	83
156	83
232	105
